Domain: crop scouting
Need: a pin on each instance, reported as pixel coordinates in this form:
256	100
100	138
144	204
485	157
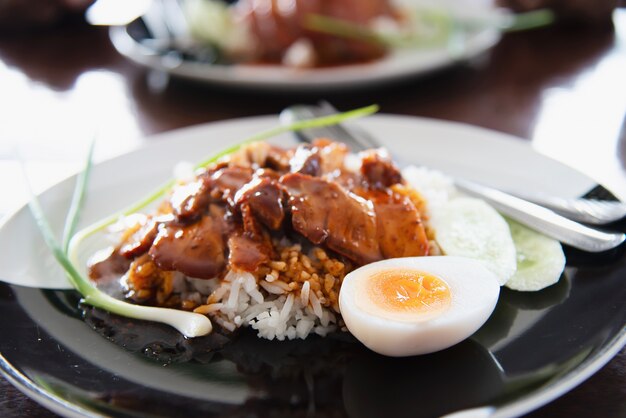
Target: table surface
563	89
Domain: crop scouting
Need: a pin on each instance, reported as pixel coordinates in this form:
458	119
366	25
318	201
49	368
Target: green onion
78	199
296	126
530	20
188	323
344	29
441	27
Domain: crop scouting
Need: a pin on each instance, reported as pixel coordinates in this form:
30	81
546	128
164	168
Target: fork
531	214
590	211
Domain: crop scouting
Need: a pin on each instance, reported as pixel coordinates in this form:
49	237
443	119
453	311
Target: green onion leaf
78	198
343	29
187	323
442	27
531	20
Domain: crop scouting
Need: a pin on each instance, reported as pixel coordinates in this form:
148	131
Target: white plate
397	65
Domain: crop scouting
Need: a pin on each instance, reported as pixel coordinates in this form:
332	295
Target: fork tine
355	141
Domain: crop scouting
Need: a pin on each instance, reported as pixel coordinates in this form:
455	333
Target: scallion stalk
187	323
530	20
445	24
78	198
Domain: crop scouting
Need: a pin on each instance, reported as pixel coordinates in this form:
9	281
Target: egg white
474	292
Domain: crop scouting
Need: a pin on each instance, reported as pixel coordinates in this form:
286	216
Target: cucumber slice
469	227
540	260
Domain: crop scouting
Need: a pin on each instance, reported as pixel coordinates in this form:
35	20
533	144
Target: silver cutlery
531	214
590	211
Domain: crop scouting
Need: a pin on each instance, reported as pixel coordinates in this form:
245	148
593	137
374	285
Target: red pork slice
249	245
332	154
277	158
141	239
107	263
323	157
265	198
277	24
196	250
325	213
227	181
306	160
190	201
399	225
379	171
247	253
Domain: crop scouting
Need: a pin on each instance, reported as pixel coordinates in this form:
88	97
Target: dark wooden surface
564	89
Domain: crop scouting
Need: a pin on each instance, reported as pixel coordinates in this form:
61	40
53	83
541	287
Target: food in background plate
271	31
316	34
265	238
281	34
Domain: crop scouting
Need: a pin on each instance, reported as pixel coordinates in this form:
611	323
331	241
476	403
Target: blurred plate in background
135	42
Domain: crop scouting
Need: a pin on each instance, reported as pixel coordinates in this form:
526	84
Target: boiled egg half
417	305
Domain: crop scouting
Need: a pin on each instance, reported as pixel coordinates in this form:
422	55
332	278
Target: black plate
532	349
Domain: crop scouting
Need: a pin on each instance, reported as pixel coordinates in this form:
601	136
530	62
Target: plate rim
305	80
545	395
39	395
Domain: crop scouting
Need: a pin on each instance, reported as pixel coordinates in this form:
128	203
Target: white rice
304	293
435	187
269	308
271	288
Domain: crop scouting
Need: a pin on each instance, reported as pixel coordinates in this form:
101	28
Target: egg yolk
408	294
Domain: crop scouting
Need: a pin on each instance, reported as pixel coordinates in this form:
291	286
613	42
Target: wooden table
562	89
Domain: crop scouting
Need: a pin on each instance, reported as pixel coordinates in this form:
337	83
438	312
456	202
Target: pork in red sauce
232	213
378	171
197	250
399	228
277	25
139	241
247	253
265	197
325	213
